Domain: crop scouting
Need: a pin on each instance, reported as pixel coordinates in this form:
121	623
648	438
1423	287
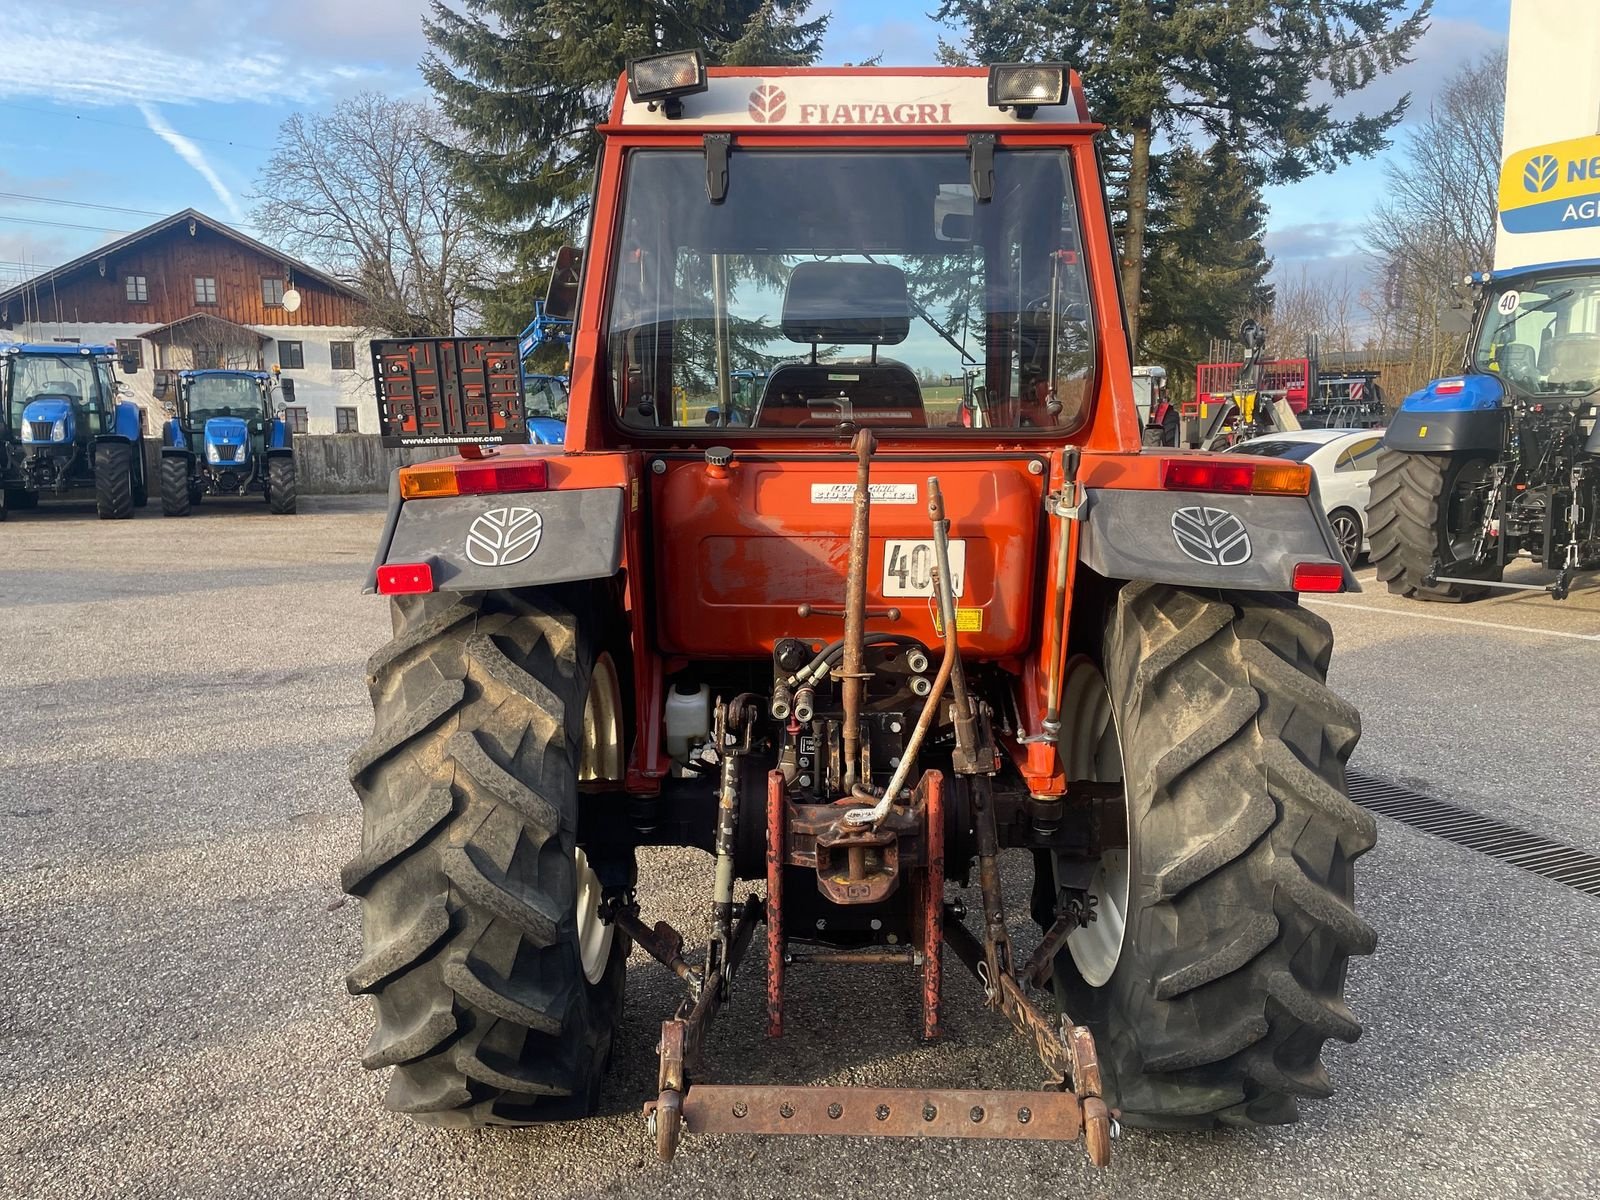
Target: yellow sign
1549	187
968	620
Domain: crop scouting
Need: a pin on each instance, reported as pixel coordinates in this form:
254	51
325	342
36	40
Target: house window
344	421
130	355
292	356
205	289
295	415
138	289
344	355
272	292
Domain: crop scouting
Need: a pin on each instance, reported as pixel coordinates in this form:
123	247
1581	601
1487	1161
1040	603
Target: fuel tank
739	548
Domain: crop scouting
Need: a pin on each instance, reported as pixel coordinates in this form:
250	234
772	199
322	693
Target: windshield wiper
928	317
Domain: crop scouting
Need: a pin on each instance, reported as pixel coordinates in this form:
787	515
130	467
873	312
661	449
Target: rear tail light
427	480
1265	478
1318	577
405	579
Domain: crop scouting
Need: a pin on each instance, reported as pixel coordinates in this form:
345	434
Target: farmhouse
191	292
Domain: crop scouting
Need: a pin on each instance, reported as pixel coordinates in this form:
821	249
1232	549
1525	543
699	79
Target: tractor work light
1238	478
405	579
664	79
430	480
1023	87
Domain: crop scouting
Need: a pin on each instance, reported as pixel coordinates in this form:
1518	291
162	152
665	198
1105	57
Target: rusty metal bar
932	918
662	943
873	957
855	610
1040	966
777	838
883	1112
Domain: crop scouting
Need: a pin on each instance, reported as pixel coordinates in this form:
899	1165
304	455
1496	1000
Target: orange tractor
859	645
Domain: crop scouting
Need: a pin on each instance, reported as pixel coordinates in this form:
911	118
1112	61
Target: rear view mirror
160	384
288	389
561	300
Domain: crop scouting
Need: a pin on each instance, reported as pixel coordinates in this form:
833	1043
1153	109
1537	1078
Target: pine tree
1239	71
1205	268
526	81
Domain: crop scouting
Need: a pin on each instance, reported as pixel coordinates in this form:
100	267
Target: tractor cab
60	403
222	437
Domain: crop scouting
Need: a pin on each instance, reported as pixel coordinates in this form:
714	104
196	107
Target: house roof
161	331
162	226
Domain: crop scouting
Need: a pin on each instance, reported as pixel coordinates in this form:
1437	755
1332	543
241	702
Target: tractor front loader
856	646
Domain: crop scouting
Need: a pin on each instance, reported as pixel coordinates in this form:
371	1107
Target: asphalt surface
179	699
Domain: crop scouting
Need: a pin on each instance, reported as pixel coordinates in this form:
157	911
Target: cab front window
1542	336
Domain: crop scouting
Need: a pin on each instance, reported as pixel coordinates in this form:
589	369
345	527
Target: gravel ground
179	701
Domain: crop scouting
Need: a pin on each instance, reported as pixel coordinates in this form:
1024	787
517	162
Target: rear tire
282	485
469	873
174	486
113	480
1211	1000
1415	518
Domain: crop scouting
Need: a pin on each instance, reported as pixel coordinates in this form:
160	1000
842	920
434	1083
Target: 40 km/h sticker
908	567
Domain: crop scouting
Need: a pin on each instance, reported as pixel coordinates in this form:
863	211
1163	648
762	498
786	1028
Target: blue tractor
223	437
545	396
1502	461
64	429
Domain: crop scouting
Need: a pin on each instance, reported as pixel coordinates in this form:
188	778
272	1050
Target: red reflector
503	477
1318	577
405	579
1207	476
1449	387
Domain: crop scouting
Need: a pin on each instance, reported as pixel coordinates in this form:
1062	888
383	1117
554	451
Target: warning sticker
968	620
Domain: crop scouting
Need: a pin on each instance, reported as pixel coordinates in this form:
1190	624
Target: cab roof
59	349
844	100
258	376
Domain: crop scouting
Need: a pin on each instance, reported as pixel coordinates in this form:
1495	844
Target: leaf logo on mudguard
1213	536
503	536
768	104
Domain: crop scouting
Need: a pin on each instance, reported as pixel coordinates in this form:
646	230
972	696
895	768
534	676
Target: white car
1344	461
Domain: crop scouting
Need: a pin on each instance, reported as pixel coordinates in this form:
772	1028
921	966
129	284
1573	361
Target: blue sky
155	106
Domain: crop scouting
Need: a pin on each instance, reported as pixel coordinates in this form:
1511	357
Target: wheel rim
594	935
1092	750
600	758
1348	533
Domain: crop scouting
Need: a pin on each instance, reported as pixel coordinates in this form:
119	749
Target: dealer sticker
882	493
908	567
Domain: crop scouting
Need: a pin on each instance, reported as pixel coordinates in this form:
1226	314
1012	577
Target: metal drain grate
1566	864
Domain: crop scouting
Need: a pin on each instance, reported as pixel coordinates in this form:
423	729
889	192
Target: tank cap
718	456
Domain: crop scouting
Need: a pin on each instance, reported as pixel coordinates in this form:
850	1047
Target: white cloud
190	153
107	58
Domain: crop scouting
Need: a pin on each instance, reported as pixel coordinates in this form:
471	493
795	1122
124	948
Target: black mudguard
1188	538
1446	432
482	543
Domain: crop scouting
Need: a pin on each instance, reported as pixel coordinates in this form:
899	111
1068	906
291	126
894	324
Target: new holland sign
1552	187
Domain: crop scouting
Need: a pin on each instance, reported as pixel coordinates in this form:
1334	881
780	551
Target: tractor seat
807	395
1573	358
